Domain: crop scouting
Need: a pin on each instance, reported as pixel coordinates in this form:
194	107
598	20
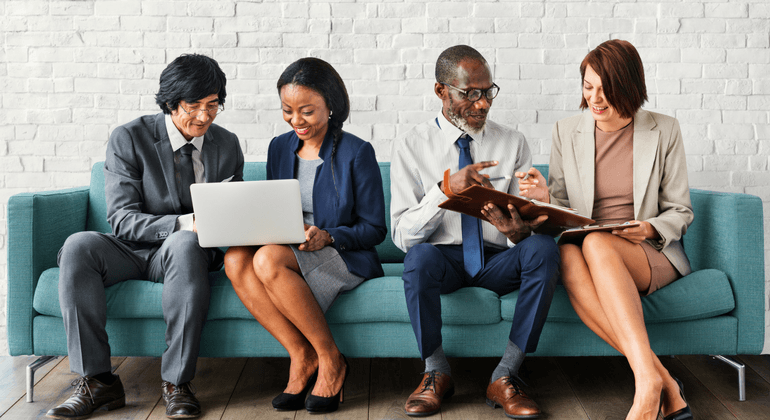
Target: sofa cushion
382	300
141	299
376	300
702	294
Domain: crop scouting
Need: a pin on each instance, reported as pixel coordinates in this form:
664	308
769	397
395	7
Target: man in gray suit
151	163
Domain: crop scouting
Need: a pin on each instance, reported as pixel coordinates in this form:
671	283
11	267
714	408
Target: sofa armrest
727	234
38	225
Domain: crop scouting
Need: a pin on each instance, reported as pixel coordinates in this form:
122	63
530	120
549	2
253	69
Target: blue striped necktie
473	247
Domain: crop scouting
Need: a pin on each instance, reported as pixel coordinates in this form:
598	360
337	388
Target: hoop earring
330	114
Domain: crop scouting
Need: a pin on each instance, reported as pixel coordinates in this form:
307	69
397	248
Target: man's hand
315	239
469	176
534	186
511	225
636	235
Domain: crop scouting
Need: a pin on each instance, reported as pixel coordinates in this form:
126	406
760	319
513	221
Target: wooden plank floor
565	387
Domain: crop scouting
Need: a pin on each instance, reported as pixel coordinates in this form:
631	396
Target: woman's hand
534	186
315	239
638	234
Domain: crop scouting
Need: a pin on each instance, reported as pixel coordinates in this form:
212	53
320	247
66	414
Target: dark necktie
186	176
473	247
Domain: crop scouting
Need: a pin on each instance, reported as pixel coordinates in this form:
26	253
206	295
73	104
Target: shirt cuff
511	244
436	194
185	222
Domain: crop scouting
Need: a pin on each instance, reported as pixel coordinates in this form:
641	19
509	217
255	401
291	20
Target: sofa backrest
252	171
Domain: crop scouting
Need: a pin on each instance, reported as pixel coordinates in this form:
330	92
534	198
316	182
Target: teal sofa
718	309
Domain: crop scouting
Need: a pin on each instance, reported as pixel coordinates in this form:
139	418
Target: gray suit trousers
91	261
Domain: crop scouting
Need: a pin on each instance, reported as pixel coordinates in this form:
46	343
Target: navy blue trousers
432	270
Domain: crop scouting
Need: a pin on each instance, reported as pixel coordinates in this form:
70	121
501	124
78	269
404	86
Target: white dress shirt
418	161
185	221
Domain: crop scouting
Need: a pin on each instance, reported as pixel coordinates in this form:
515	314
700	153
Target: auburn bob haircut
620	68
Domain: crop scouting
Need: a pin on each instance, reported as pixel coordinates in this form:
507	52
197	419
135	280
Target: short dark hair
620	68
449	60
190	78
318	75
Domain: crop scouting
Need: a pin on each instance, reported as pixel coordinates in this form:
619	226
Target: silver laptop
248	213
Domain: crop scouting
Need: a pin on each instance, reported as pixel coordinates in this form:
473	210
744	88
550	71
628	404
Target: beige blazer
661	191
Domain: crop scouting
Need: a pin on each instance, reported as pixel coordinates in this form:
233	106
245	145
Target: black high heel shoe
294	402
318	405
681	414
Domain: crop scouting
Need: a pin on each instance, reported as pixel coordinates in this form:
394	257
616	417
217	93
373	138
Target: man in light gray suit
151	163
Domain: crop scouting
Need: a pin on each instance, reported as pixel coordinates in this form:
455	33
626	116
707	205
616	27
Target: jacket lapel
166	158
645	151
585	152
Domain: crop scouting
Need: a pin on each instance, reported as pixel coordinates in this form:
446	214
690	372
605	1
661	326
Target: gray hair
450	58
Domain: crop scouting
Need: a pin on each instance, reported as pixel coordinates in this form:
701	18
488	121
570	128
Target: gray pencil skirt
326	273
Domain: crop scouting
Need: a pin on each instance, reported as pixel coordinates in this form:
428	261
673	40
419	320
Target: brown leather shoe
506	392
180	401
89	396
426	399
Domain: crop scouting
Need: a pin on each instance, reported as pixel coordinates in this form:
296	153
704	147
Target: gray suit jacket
139	181
661	190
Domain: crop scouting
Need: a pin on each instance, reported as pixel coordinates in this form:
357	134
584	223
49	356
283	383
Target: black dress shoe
180	401
319	405
89	396
294	402
683	413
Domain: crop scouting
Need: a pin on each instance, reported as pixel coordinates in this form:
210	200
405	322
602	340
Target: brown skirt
662	272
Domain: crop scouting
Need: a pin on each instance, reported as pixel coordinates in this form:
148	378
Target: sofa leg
31	368
741	368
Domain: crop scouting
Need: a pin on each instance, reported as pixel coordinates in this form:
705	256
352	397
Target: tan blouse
614	178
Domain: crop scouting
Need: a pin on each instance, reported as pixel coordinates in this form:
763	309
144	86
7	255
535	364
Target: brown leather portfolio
471	200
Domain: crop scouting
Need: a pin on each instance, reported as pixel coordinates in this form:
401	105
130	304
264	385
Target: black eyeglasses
474	95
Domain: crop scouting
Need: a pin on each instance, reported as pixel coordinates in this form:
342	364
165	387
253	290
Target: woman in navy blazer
288	288
348	204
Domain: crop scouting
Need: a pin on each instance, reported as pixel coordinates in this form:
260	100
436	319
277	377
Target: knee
183	241
183	246
80	252
79	247
267	263
421	266
597	244
541	250
238	261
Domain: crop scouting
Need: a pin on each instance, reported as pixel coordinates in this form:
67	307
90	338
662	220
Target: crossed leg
269	283
603	279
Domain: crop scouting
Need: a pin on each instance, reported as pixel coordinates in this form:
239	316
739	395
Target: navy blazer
349	204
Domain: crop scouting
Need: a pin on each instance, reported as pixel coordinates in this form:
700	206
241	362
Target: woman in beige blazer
618	163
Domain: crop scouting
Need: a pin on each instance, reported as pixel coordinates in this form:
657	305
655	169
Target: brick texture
71	71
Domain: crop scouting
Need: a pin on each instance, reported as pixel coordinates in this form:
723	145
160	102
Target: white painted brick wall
71	71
